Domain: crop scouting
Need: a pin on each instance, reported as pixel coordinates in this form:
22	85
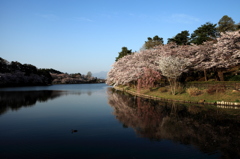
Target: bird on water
74	131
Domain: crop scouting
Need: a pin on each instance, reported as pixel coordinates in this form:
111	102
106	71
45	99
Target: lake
96	121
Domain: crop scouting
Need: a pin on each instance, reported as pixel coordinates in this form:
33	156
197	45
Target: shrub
163	89
235	78
180	89
193	91
216	89
201	79
188	79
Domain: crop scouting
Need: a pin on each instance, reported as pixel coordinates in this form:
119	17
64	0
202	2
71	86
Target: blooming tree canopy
172	67
130	68
170	60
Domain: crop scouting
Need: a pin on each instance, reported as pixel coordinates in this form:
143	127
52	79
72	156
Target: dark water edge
37	122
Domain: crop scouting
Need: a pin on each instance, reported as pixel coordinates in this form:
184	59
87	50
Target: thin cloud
182	18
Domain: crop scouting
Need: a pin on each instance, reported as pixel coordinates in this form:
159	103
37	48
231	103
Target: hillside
16	74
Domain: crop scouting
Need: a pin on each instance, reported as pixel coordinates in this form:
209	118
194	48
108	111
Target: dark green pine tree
4	65
152	42
123	53
206	32
181	38
226	23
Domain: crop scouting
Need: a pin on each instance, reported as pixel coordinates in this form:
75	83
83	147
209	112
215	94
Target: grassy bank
182	95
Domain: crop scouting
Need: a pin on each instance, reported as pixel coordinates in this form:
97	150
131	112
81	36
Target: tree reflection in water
208	128
14	100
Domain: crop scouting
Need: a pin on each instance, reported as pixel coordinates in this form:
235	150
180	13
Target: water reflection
14	100
17	99
211	129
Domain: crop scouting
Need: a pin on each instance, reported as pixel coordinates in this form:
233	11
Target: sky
77	36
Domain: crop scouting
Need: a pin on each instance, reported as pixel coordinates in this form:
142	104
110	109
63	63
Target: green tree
16	66
4	65
89	74
226	23
47	78
181	38
237	26
29	69
123	53
206	32
152	42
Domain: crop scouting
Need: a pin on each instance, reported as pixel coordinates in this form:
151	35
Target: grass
227	96
214	82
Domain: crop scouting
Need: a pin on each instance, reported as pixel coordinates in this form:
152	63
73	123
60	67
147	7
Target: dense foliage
124	52
153	42
206	32
218	55
172	67
226	23
181	38
17	74
210	51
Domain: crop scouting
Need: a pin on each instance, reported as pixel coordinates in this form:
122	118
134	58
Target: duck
74	131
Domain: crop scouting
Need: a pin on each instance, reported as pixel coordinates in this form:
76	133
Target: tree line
206	32
16	74
75	78
211	53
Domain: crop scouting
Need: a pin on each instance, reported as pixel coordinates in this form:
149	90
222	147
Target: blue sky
86	35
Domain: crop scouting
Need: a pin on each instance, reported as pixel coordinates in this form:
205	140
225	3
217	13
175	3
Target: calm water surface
37	122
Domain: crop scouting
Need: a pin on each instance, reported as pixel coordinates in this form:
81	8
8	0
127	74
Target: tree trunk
172	82
205	74
139	85
220	75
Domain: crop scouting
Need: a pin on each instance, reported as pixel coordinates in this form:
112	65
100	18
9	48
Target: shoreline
234	105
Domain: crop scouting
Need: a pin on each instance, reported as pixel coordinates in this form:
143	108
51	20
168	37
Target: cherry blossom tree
219	55
144	69
172	67
199	56
148	79
227	52
131	68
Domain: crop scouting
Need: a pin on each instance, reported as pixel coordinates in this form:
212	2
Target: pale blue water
36	122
